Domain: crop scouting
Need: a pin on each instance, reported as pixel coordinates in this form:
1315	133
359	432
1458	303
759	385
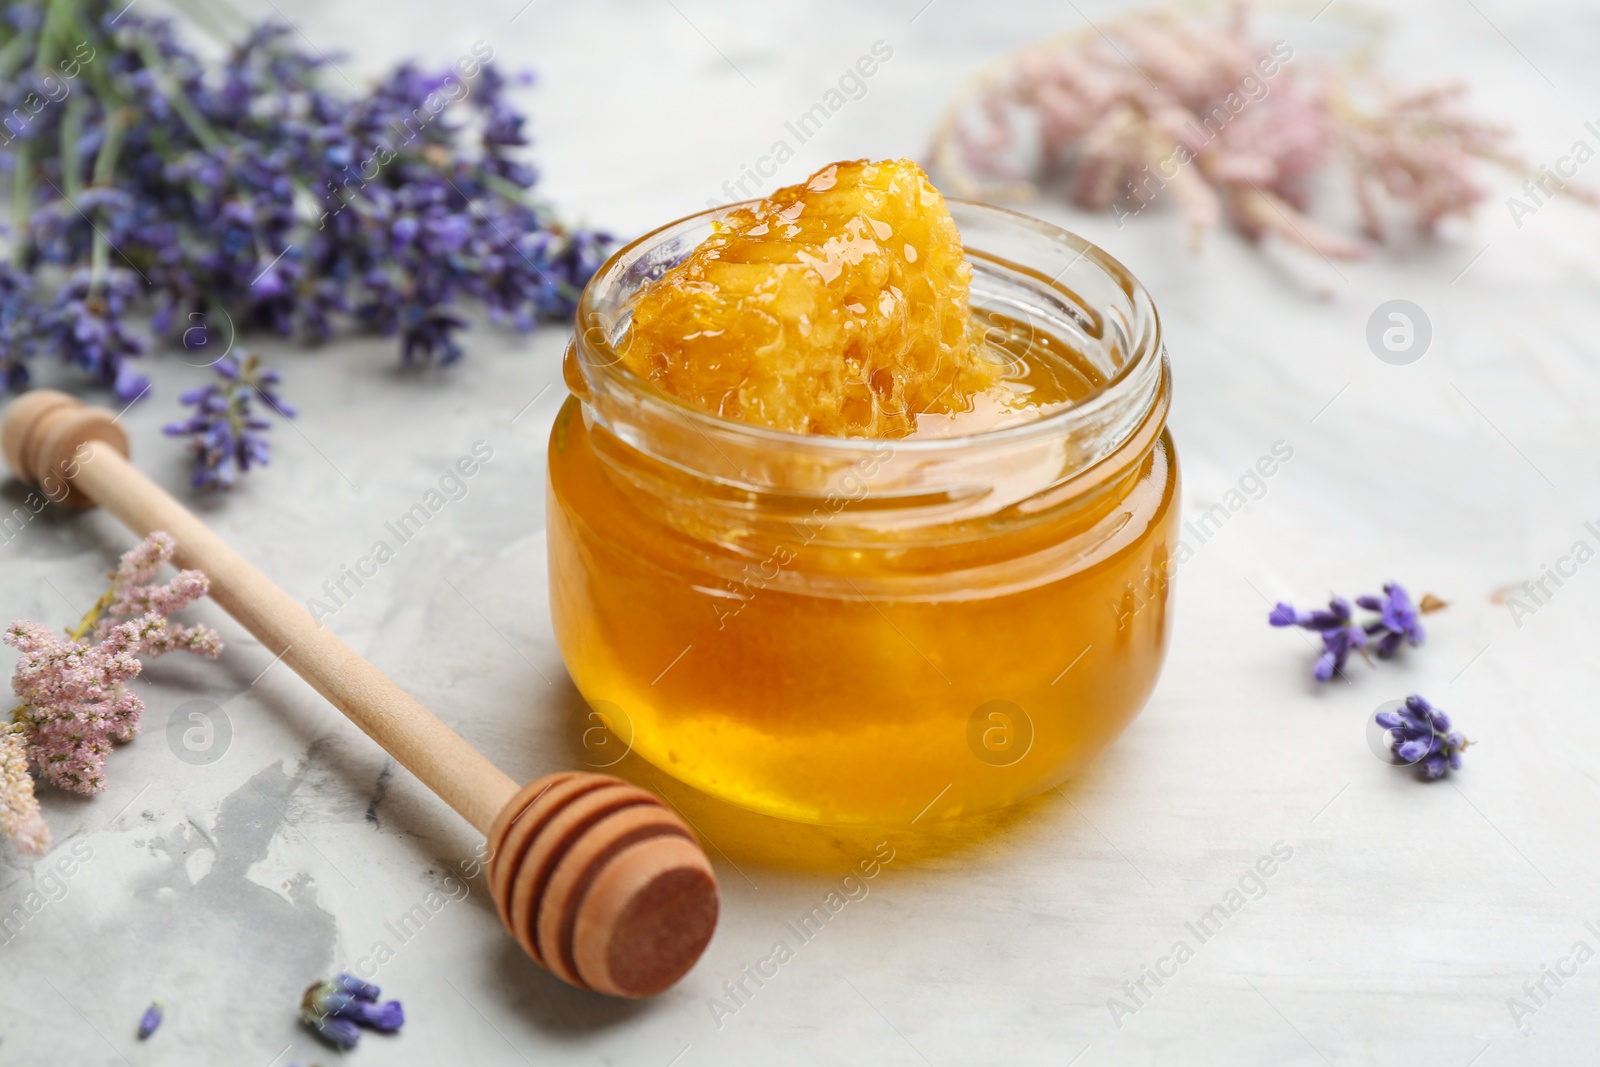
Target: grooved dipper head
602	884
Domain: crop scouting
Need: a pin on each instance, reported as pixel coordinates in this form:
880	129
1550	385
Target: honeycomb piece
837	307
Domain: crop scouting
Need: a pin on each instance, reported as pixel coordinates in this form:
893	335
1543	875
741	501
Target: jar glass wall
842	630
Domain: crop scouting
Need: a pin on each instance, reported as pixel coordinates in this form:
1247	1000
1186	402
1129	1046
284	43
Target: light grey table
1404	917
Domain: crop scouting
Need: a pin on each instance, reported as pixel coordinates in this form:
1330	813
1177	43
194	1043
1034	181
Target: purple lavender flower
178	186
336	1007
1421	734
1398	620
1339	634
19	327
225	434
86	325
150	1020
1398	623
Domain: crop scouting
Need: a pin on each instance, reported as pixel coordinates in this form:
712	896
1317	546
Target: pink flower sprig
74	695
135	594
1231	127
19	808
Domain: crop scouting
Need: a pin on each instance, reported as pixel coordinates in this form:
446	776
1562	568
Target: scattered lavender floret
226	435
1398	622
335	1009
1421	734
150	1020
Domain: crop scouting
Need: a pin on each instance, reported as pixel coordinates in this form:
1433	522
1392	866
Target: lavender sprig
1398	623
226	436
1422	734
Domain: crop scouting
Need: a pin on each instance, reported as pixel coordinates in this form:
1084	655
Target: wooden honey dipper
597	879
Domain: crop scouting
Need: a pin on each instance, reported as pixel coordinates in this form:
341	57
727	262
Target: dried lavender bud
150	1020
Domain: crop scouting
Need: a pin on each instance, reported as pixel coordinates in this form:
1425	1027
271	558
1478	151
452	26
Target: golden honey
876	631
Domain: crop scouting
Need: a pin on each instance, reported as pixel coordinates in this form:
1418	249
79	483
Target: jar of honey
875	631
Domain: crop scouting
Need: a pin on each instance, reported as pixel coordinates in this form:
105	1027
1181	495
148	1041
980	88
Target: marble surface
1399	918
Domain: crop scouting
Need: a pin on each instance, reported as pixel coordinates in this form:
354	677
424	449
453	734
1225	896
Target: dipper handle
597	879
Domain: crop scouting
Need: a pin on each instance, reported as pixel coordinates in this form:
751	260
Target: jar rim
599	360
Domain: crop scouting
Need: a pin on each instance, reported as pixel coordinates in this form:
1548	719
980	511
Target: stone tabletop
252	840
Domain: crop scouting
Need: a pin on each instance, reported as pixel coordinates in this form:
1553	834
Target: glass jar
846	630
